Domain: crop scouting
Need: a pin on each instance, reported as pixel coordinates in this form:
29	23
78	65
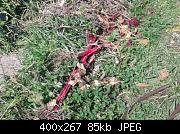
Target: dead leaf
111	80
163	74
82	70
104	20
174	29
73	82
124	29
51	104
142	85
81	66
143	41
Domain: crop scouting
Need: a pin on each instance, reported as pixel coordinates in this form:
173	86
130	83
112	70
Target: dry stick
176	111
144	97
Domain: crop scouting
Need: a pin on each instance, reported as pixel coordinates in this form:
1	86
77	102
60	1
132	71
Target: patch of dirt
9	65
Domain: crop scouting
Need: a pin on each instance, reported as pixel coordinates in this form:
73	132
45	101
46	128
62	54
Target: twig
151	93
175	112
144	97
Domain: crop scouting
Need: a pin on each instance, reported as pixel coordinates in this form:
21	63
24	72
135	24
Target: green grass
38	82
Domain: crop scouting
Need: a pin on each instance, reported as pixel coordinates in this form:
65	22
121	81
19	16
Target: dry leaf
174	29
124	29
142	85
51	104
104	20
143	41
73	82
82	70
163	74
111	80
81	66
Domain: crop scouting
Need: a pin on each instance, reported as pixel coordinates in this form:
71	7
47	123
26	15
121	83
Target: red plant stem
64	91
83	58
85	52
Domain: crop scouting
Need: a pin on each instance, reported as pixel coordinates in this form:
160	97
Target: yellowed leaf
143	41
163	74
174	29
142	85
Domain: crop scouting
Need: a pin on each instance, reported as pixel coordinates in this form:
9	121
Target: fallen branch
144	97
175	112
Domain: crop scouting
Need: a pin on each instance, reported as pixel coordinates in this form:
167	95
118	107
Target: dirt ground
9	65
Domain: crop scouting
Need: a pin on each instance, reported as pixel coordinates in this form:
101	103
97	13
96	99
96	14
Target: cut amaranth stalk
86	58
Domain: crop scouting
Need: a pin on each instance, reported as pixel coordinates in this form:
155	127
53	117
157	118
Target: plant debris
175	112
95	43
163	74
142	85
145	97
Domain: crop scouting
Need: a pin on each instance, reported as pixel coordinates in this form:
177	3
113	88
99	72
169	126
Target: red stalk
83	57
